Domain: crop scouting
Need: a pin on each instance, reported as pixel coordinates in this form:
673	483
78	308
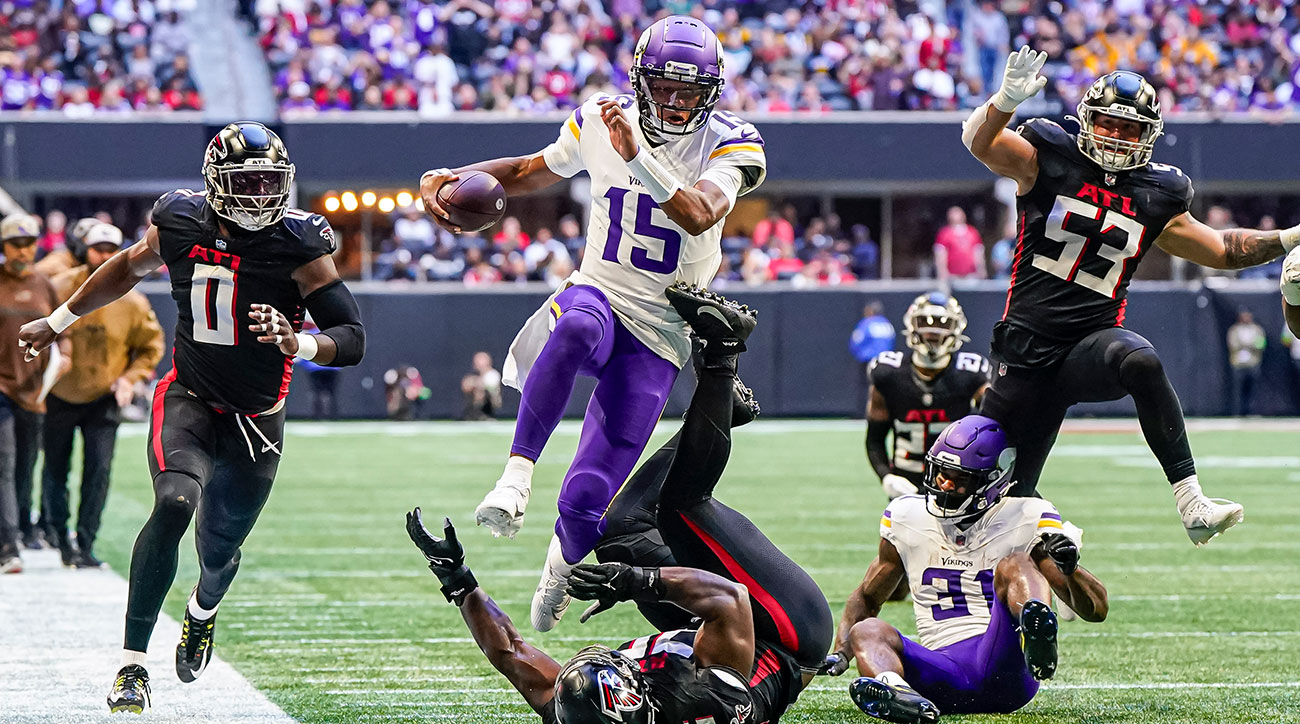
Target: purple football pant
984	674
632	386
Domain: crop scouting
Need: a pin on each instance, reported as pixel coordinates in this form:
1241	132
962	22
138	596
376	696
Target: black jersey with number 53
216	276
1082	232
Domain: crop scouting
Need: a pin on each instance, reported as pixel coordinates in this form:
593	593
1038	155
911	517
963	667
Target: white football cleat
897	486
502	509
550	600
1206	517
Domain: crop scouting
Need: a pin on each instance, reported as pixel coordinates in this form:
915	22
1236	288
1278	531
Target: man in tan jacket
25	295
113	348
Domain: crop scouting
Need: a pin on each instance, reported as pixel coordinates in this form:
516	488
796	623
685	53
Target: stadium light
404	198
331	204
349	200
419	203
386	204
368	198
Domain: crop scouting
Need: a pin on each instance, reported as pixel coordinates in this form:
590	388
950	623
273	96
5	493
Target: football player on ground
982	569
761	620
665	170
1291	291
915	398
1091	205
244	269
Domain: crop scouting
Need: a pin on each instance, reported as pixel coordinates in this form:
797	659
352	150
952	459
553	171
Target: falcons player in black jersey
917	397
1091	205
244	268
761	626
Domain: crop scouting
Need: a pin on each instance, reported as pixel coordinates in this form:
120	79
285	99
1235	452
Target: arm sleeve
887	526
741	149
877	455
146	345
564	156
727	178
336	313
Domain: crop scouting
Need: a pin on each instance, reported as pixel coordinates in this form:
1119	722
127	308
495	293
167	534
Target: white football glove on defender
1022	79
1291	277
897	485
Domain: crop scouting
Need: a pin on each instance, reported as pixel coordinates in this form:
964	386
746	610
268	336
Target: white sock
518	472
197	611
894	679
130	657
1186	492
555	558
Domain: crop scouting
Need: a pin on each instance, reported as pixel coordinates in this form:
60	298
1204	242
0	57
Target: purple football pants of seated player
632	386
983	674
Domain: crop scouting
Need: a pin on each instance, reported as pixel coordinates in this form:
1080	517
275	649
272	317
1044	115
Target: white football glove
1291	277
897	485
1022	79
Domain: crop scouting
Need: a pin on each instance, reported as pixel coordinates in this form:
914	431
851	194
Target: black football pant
98	422
214	466
1105	365
700	532
20	442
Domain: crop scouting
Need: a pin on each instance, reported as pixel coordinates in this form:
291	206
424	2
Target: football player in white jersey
665	169
982	570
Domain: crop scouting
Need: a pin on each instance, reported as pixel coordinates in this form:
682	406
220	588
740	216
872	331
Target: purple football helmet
968	469
676	73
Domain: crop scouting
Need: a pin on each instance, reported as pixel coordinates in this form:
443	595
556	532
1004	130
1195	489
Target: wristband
652	589
1290	238
1001	102
308	347
456	585
61	318
657	180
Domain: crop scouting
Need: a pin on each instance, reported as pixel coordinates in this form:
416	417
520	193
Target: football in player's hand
473	202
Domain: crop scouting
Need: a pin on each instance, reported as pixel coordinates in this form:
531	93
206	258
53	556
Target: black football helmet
933	327
248	175
1127	95
601	686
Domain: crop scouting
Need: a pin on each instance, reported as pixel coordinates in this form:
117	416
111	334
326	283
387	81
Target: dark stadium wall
799	362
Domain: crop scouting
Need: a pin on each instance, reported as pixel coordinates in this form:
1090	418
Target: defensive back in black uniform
916	396
244	270
1091	205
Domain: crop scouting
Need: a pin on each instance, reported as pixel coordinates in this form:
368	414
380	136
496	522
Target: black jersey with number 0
683	692
1082	233
920	409
216	276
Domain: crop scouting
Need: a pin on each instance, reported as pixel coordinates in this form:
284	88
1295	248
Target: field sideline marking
61	639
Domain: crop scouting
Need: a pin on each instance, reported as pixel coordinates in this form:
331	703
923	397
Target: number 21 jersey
215	279
1082	232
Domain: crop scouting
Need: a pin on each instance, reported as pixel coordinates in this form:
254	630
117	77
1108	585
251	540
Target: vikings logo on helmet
615	696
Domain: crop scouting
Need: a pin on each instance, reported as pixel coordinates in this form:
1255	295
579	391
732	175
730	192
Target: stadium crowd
85	57
443	56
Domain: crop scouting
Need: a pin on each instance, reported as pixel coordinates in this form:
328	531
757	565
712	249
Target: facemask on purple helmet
677	76
968	469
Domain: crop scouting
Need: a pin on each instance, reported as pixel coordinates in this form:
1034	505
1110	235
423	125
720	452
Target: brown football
473	202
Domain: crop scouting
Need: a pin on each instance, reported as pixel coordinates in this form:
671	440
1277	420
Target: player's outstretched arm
526	667
517	174
1184	236
694	208
985	132
115	277
1057	558
882	578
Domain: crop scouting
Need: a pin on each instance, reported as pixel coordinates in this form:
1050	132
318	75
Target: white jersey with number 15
634	251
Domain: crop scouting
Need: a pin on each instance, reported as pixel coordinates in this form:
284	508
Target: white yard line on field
60	644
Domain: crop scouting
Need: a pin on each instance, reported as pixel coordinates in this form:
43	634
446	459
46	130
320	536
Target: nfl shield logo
927	399
961	540
221	243
1110	179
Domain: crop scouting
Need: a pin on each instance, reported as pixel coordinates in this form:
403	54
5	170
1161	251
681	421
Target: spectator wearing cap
113	348
71	254
27	296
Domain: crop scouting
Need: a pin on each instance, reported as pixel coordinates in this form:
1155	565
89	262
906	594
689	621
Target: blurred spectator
958	249
990	38
773	227
404	392
414	231
56	223
1292	344
865	252
873	334
543	252
482	389
1246	343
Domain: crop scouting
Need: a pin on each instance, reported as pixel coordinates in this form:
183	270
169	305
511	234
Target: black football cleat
130	690
1038	638
744	408
721	323
892	703
195	649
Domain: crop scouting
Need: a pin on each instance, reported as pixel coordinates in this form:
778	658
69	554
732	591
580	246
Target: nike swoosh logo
715	313
439	561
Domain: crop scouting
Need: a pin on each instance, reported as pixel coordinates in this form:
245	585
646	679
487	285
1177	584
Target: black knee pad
176	494
635	549
1140	366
